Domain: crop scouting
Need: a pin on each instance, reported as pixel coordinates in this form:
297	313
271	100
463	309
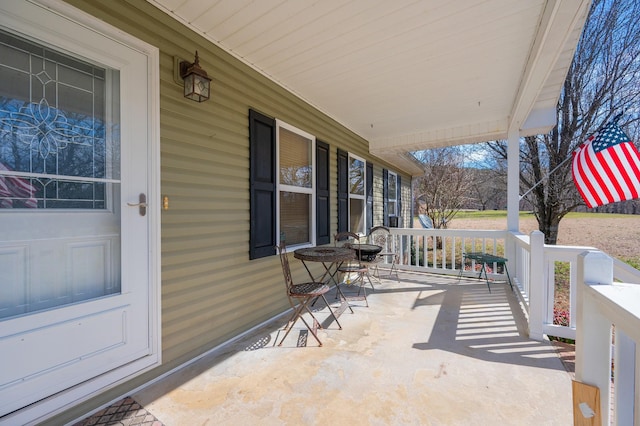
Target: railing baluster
625	376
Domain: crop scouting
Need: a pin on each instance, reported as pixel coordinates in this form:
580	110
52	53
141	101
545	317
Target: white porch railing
440	250
604	294
608	320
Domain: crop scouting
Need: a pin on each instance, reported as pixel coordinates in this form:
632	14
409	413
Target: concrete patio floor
428	351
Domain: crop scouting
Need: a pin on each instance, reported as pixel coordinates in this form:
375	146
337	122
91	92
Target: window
289	186
392	203
392	196
58	129
355	193
357	199
295	184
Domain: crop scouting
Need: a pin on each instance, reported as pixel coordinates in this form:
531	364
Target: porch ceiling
405	74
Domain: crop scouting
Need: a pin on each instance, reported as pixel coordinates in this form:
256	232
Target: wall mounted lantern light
197	85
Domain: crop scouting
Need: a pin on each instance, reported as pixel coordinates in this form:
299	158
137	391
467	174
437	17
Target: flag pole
544	178
614	120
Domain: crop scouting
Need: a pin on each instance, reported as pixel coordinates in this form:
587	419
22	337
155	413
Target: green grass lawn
486	214
500	214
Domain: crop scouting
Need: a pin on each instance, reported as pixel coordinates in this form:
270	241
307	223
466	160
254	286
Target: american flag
16	190
606	168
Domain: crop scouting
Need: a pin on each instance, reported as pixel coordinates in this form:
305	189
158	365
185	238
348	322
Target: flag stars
609	136
606	168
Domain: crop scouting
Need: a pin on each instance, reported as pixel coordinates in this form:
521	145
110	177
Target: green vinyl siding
211	291
378	200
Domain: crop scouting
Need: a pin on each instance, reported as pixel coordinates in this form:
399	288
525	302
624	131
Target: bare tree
489	189
446	186
603	81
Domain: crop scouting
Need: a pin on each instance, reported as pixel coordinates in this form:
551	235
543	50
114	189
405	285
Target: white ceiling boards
406	75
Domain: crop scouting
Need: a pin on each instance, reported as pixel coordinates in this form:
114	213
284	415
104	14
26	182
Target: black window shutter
343	191
369	197
399	195
262	185
385	197
323	212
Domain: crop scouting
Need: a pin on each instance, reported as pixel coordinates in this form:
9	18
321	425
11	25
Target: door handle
142	204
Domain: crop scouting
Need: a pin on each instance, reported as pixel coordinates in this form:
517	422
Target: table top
324	254
484	257
366	248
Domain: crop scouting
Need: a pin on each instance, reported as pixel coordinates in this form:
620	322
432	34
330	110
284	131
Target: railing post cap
594	254
595	266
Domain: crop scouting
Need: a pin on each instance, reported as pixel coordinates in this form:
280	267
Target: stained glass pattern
58	141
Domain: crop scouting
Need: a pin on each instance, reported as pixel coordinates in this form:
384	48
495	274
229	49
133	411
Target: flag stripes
16	189
606	168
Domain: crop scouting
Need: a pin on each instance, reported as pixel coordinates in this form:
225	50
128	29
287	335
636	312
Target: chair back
342	238
380	236
286	269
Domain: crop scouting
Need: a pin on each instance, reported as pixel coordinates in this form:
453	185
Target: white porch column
513	195
593	329
513	180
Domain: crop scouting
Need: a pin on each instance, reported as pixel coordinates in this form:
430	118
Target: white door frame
64	400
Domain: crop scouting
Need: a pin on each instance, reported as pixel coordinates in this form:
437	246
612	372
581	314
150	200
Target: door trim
64	400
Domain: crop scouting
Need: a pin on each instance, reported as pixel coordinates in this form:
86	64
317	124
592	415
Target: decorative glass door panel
59	178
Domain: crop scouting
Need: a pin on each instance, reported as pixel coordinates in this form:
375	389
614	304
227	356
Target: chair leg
332	313
394	266
298	314
295	312
363	288
343	298
360	282
308	309
290	323
369	278
311	330
376	273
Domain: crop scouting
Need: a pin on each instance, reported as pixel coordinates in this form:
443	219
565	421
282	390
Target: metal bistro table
331	259
366	252
484	259
368	256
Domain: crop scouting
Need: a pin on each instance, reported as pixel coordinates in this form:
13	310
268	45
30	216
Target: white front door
76	262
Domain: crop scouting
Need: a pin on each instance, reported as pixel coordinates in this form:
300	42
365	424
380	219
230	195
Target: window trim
262	187
362	197
342	190
392	197
296	189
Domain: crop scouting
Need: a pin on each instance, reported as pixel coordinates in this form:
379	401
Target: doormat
126	412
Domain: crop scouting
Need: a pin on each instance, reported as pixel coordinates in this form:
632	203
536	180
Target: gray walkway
428	351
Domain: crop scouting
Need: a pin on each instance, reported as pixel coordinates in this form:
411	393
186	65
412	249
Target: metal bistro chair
381	236
302	293
355	266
